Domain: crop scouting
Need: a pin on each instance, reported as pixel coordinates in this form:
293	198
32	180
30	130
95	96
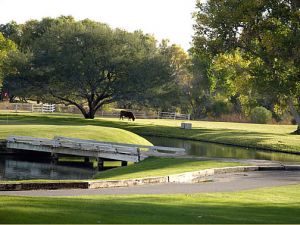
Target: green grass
267	205
40	128
161	167
272	137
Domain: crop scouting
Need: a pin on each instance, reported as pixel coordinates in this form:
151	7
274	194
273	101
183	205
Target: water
25	168
205	149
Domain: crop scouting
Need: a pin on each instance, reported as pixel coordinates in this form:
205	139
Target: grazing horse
127	114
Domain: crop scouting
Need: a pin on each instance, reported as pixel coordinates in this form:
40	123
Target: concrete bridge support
100	164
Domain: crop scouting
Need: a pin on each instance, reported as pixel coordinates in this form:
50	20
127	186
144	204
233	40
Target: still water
204	149
26	168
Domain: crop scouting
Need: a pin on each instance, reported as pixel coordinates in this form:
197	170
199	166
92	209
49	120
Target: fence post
175	116
189	116
42	107
16	107
31	107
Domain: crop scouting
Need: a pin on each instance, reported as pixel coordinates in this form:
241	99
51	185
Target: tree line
244	55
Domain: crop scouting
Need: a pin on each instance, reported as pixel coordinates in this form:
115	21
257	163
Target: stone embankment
188	177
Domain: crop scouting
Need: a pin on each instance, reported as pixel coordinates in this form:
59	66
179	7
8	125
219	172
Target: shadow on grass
173	209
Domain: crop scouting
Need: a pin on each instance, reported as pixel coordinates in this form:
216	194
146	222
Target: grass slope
268	205
160	167
75	130
273	137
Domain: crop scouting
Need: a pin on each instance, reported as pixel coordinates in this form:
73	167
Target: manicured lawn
268	205
273	137
40	128
161	167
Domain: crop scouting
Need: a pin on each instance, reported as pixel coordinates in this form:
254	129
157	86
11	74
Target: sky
165	19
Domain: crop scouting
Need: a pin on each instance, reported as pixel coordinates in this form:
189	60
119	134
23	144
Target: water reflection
198	148
15	168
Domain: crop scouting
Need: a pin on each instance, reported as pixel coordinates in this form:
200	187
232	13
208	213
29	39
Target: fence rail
19	107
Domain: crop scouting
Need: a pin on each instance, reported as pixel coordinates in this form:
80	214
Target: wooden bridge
89	148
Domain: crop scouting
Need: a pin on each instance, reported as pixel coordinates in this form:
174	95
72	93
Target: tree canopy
265	34
88	64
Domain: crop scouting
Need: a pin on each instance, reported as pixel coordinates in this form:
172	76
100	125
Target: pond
22	167
205	149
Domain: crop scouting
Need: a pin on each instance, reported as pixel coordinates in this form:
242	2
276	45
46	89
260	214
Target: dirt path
219	183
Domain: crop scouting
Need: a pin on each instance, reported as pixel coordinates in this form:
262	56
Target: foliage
199	91
261	115
88	64
221	107
266	32
6	46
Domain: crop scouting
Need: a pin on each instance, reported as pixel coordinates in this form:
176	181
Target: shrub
261	115
220	108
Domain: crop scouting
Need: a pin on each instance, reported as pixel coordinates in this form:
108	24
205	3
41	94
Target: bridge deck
85	148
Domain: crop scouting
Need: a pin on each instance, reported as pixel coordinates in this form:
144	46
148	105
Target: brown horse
127	114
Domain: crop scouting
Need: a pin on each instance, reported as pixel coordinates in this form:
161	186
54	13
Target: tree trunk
295	114
90	114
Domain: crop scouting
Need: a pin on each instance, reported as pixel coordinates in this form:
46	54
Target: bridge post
86	160
54	158
124	163
100	164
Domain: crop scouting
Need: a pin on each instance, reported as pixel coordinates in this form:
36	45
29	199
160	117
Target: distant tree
6	46
266	32
20	80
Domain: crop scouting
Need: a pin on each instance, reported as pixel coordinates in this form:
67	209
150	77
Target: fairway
267	205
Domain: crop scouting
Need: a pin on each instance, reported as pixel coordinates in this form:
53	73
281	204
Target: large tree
266	32
88	64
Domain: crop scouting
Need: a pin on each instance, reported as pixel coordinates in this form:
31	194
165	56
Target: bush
261	115
220	108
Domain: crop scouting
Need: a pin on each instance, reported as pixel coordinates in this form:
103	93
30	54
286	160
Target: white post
42	107
31	107
175	116
16	107
189	116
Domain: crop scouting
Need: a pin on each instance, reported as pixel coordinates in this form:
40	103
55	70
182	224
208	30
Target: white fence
174	116
19	107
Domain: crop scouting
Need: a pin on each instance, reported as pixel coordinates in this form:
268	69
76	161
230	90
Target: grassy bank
272	137
40	128
161	167
268	205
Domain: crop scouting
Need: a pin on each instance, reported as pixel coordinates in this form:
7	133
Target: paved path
219	183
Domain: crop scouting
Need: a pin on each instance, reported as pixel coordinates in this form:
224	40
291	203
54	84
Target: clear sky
171	19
